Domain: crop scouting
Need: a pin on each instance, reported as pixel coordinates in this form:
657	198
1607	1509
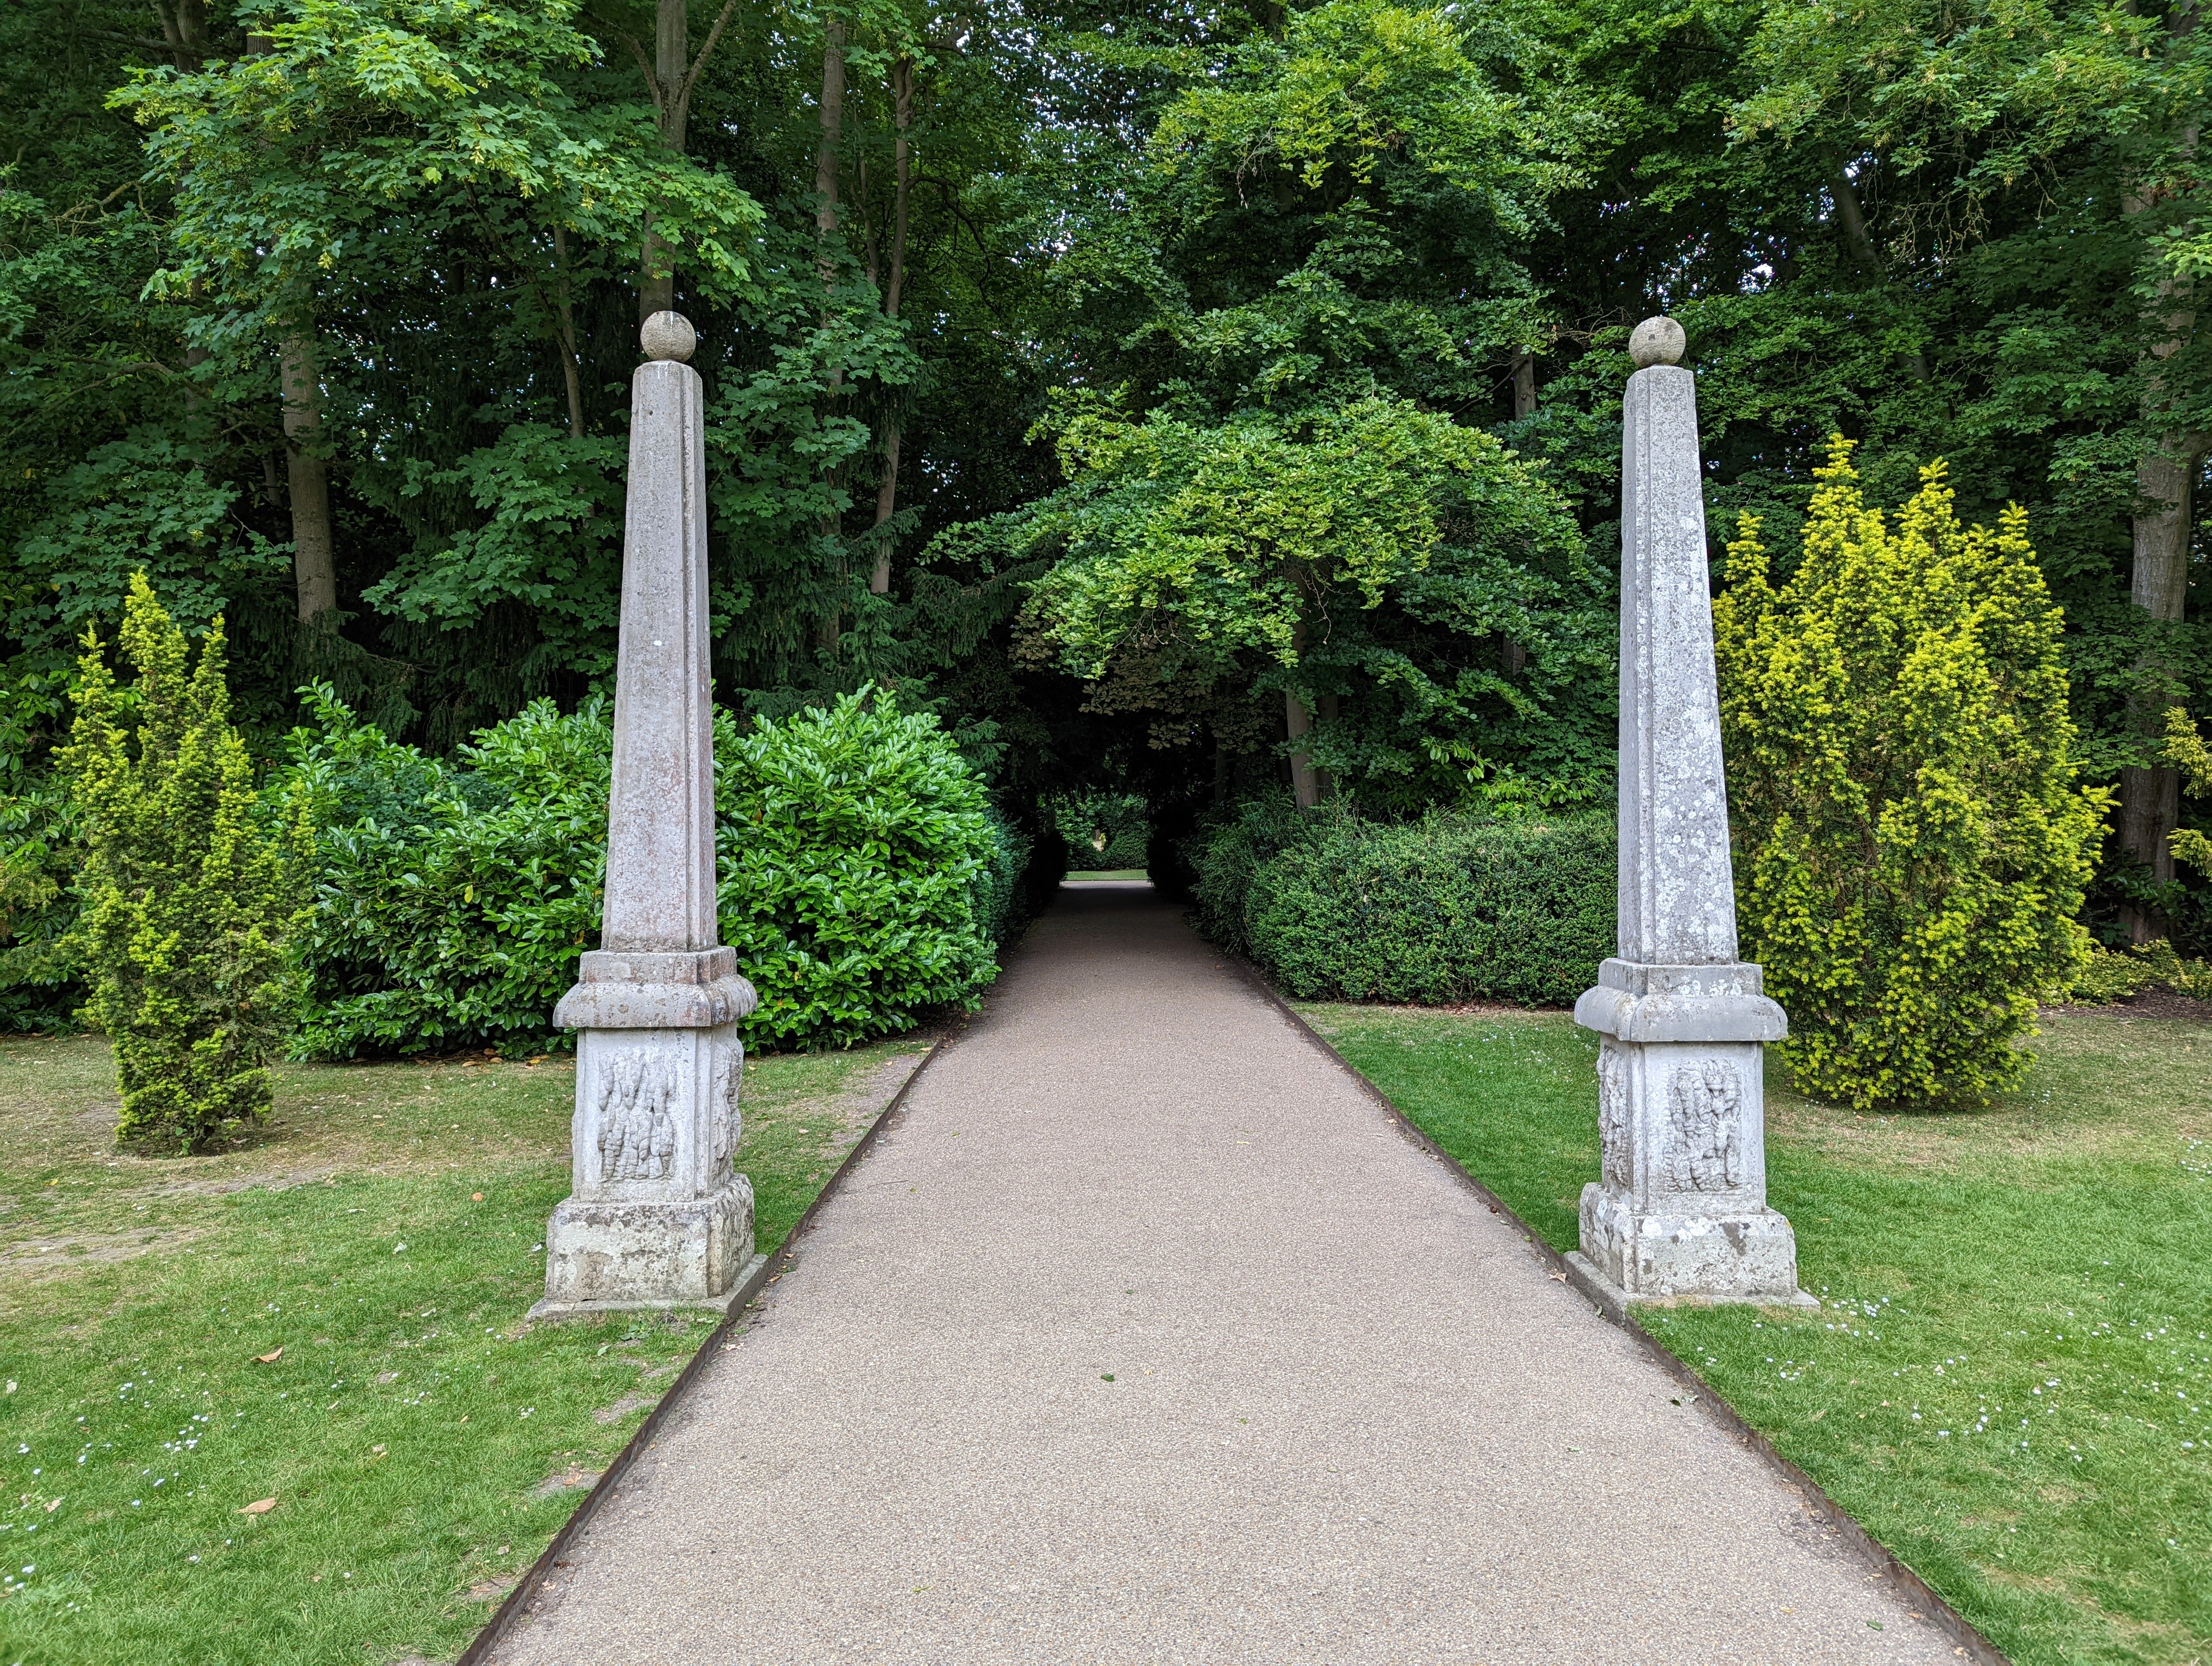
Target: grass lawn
2016	1305
1110	874
329	1318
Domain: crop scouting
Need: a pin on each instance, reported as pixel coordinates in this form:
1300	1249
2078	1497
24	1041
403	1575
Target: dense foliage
861	881
185	895
1188	402
863	877
1106	831
1450	908
39	856
2194	759
1911	844
452	897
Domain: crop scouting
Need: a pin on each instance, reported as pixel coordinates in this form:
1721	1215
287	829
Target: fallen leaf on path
258	1507
268	1358
1558	1278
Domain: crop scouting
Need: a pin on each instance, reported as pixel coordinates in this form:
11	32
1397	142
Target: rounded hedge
855	846
1444	910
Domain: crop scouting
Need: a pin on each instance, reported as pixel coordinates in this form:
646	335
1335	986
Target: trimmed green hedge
1448	909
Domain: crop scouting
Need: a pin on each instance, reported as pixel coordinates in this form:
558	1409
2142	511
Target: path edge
1947	1620
757	1275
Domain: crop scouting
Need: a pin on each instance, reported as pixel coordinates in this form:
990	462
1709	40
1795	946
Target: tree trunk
183	26
1856	239
1324	779
828	629
571	372
672	39
833	122
1511	656
2150	795
1305	784
879	581
669	80
314	559
1852	222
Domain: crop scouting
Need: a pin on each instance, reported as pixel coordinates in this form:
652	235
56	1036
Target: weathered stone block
1657	1257
611	1254
657	1213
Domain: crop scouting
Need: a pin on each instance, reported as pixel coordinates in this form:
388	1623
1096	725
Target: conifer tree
1912	845
185	895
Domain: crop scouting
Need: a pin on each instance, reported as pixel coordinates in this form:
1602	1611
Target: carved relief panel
722	1100
635	1091
657	1111
1705	1111
1616	1131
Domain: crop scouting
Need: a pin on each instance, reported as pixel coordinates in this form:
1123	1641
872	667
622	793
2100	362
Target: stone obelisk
658	1218
1681	1211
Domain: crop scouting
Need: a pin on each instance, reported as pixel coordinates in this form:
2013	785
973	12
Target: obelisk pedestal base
609	1256
1681	1212
658	1217
1666	1257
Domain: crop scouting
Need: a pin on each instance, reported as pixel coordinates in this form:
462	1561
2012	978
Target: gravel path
1143	1335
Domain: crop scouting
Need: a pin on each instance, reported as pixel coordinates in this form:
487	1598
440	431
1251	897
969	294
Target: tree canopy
1174	398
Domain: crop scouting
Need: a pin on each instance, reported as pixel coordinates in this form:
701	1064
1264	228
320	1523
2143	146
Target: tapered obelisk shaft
658	1218
660	849
1680	1211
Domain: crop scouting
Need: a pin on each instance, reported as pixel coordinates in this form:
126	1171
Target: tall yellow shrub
1911	844
187	897
2189	753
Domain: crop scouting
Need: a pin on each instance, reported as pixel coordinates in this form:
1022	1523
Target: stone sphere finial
670	336
1657	341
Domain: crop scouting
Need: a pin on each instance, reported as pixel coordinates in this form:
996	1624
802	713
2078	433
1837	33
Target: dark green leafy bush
38	855
1047	867
1103	830
452	899
1226	856
1000	895
863	877
1447	908
853	842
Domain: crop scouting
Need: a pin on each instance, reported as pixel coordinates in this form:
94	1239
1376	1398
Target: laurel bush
857	884
864	878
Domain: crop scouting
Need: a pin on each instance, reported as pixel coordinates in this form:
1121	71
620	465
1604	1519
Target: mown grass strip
326	1319
2010	1382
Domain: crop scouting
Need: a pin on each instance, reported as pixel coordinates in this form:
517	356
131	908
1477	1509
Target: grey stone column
1681	1209
658	1218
